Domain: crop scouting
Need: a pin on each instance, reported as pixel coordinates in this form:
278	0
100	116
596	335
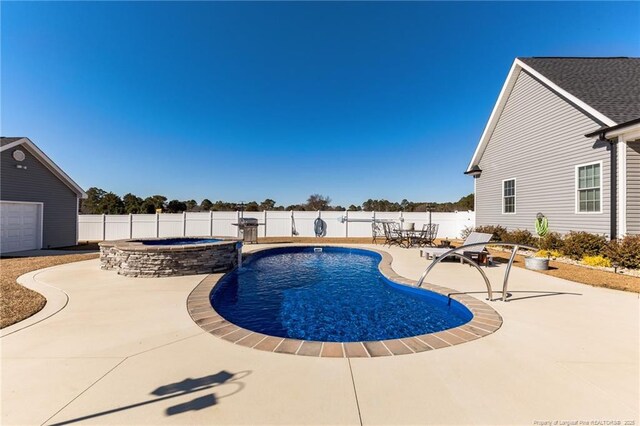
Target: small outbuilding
38	201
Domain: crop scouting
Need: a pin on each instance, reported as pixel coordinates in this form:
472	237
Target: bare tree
318	202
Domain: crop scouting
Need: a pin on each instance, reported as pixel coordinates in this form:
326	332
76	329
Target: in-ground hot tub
164	257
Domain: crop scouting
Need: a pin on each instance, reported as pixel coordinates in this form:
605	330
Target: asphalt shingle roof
609	85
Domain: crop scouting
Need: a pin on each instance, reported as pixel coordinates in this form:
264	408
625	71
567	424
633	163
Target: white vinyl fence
96	227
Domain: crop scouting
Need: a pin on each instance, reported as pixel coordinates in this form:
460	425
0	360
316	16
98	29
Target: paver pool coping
485	321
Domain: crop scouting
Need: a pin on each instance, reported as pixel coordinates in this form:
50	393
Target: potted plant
535	262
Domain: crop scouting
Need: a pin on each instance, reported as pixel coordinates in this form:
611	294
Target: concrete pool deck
125	351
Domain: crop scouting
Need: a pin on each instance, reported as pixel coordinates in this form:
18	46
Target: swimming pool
329	294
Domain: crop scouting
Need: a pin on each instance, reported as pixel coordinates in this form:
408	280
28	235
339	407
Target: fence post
104	227
346	224
184	224
238	222
130	225
291	224
157	225
265	223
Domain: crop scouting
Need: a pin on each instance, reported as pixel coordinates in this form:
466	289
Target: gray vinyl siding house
563	140
39	201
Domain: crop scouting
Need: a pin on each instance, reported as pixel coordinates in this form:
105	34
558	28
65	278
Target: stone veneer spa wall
152	258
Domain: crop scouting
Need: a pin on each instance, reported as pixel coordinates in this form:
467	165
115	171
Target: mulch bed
83	246
592	277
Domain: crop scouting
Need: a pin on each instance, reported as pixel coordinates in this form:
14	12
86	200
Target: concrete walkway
125	351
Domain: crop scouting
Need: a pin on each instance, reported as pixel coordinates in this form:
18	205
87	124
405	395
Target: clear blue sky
351	100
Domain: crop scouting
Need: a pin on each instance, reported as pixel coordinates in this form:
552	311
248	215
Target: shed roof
6	141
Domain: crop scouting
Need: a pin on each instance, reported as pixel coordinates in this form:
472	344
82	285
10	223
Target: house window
588	181
509	196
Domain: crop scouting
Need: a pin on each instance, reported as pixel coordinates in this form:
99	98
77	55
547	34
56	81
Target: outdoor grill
248	229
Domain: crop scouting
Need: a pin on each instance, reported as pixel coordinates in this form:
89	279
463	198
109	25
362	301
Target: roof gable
621	81
8	143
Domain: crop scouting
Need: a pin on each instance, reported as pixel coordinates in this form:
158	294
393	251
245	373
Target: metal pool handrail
454	252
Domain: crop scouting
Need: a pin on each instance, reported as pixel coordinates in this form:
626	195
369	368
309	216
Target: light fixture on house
602	138
475	171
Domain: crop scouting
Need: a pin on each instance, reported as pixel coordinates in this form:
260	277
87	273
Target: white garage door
20	226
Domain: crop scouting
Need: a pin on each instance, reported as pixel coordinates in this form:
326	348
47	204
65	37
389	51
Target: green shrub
551	241
519	236
625	252
576	245
499	232
598	260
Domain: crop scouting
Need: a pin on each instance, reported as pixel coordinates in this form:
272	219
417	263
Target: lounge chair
474	253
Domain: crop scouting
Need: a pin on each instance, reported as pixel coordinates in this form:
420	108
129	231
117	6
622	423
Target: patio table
410	236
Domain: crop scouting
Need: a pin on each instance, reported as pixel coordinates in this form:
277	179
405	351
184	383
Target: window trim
515	195
576	190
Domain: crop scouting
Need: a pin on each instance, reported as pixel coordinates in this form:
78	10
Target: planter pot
536	263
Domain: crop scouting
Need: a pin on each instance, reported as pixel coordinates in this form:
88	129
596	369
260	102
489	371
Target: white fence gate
96	227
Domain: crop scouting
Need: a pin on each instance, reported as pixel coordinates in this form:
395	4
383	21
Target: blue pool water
337	295
178	241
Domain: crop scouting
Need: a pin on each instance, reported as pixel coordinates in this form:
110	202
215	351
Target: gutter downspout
613	184
622	186
614	190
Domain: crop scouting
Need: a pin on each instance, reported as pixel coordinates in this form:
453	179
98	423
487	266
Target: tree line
99	201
